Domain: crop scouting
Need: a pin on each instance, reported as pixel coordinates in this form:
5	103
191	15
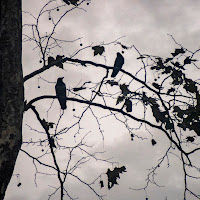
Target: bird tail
113	74
63	104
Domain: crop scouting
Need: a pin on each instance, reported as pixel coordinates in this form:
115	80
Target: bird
119	61
61	93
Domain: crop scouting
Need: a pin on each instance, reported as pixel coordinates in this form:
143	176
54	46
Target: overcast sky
144	23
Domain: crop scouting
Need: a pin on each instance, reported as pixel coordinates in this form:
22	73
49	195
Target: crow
119	61
61	93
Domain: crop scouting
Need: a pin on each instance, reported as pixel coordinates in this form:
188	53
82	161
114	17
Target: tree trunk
11	89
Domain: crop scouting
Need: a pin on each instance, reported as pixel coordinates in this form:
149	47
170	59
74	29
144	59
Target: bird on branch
61	93
119	61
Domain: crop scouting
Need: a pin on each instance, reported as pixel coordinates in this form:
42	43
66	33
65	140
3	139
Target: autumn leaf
169	126
160	63
159	116
153	142
190	138
111	82
19	184
120	99
132	136
128	104
170	90
124	47
188	60
98	50
157	86
178	51
190	85
59	58
190	88
168	59
50	60
113	175
101	184
177	64
73	2
50	124
124	89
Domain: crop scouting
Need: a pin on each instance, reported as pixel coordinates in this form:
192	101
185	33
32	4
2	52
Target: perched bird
61	93
119	61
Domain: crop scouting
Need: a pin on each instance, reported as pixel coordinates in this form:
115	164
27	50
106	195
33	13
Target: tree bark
11	89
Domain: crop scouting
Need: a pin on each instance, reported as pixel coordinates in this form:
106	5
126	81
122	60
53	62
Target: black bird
61	93
119	61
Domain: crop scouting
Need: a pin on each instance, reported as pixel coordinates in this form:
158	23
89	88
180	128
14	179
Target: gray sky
145	24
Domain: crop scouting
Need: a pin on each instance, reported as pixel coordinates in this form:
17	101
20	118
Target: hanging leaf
153	142
157	86
159	116
187	60
196	127
59	58
124	89
160	63
168	59
73	2
120	99
19	184
178	51
101	184
128	104
190	88
124	47
190	85
132	136
111	82
169	125
190	138
177	77
177	64
50	60
50	124
98	50
170	90
167	70
113	175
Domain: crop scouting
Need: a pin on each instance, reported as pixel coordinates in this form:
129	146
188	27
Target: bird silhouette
119	61
61	93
